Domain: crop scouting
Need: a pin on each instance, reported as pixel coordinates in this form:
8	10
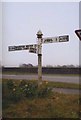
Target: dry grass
57	105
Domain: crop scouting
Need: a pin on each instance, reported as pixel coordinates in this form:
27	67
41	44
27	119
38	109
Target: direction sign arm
64	38
21	47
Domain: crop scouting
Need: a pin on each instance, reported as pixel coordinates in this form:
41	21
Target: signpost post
39	36
37	48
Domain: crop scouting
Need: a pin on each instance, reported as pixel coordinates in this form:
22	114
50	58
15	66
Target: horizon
26	65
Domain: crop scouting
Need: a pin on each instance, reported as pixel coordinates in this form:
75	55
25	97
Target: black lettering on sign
11	48
63	38
33	50
31	46
48	40
21	47
27	46
17	48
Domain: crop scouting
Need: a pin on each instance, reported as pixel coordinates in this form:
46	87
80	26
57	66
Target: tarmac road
67	90
55	78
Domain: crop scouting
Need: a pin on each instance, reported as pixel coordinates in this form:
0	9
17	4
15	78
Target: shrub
30	90
16	94
10	84
26	89
22	83
43	92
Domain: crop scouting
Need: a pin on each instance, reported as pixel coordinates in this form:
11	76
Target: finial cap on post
39	34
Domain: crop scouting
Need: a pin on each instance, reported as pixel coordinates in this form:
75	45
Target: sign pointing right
64	38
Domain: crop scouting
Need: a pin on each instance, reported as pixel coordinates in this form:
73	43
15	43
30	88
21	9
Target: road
55	78
67	91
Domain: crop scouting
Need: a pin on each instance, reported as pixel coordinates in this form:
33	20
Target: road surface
67	91
55	78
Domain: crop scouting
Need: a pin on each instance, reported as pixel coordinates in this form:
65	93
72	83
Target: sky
21	22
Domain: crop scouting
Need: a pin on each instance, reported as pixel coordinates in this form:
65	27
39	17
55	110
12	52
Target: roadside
61	87
21	99
67	79
67	91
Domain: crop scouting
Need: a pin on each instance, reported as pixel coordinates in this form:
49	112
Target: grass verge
56	106
52	84
53	105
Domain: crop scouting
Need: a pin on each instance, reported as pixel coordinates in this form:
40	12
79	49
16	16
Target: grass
25	73
55	105
64	85
53	84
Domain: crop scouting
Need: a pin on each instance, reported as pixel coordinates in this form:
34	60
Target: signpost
37	49
39	52
78	33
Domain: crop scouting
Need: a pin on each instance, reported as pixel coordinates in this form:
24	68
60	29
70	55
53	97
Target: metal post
39	36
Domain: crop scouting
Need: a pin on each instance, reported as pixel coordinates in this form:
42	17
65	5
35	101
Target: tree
26	65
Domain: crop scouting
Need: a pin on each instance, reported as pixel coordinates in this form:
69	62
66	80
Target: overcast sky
21	22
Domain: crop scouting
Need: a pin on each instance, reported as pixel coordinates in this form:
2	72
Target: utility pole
39	52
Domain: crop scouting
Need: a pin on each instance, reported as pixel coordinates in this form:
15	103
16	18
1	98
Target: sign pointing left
22	47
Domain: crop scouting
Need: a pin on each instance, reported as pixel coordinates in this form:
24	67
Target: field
31	104
45	70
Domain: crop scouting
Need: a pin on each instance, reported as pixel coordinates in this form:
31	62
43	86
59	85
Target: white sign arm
56	39
21	47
